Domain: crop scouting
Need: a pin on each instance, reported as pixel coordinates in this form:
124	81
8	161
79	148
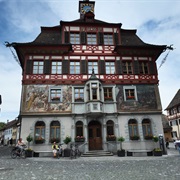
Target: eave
23	49
151	50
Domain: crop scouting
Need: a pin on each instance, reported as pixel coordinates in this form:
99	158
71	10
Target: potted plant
39	140
79	139
121	152
29	151
148	137
111	138
67	140
157	151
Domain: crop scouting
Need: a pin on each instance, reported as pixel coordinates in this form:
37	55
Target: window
56	67
108	39
91	39
94	91
91	66
74	38
110	127
79	94
110	68
74	67
39	132
108	94
146	126
130	94
55	95
79	128
55	132
127	67
143	67
38	67
133	129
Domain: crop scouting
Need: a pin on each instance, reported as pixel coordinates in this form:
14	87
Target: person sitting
54	148
20	145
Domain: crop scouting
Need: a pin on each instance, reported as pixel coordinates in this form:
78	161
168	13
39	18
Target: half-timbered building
91	80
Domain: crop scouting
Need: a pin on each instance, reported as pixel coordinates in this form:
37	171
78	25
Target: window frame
75	67
91	39
75	39
38	68
131	90
143	67
133	128
108	39
58	67
93	65
110	67
58	97
127	67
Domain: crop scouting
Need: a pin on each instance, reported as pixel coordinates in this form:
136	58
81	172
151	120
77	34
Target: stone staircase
97	153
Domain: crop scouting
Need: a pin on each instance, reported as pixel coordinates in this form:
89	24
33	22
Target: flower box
121	153
111	138
148	137
134	137
79	139
39	141
157	152
108	98
79	100
52	140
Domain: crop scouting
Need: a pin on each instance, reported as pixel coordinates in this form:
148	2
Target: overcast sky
157	22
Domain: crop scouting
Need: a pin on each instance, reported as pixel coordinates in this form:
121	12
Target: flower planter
79	139
134	137
57	140
29	153
111	139
157	153
39	141
121	153
148	137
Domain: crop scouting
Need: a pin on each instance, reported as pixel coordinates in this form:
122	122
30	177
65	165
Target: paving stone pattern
91	168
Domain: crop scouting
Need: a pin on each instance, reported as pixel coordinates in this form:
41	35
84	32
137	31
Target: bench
43	154
139	152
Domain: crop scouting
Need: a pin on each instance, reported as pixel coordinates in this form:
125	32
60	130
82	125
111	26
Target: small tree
121	139
67	140
29	139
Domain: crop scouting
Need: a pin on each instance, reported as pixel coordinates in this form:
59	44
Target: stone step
97	154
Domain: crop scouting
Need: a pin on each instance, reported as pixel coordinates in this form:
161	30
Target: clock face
86	8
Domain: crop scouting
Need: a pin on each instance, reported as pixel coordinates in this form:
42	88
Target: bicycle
60	151
16	152
74	151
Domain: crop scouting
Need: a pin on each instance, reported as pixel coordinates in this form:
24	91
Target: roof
175	101
11	124
49	39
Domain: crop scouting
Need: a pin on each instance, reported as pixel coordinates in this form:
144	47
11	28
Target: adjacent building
90	80
173	114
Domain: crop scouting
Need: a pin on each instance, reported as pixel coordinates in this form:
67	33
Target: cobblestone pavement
83	168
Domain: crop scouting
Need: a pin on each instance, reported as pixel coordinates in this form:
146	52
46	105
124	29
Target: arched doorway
95	135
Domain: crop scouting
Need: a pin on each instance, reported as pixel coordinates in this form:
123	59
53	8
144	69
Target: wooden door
95	136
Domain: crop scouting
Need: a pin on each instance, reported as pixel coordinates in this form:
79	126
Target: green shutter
152	69
83	67
47	67
101	67
100	38
119	67
29	65
83	37
67	37
116	39
65	67
136	67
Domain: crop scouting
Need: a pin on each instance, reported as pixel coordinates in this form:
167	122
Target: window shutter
100	38
29	65
83	67
67	37
152	67
116	41
101	67
83	37
65	67
119	67
0	100
136	67
47	67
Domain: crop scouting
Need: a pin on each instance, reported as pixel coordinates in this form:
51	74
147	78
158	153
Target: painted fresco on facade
146	99
37	99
